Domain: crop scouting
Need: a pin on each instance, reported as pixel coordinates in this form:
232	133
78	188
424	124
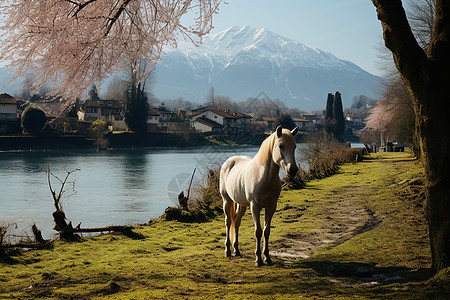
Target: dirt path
342	218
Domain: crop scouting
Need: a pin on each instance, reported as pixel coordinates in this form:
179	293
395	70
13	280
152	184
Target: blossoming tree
75	43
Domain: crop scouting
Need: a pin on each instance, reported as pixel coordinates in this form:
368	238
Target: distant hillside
5	77
242	62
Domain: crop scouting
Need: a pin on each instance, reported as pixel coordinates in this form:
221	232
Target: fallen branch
125	230
39	243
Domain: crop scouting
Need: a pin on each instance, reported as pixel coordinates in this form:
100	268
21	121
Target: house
242	120
203	124
315	118
354	119
92	110
166	117
230	120
153	120
105	110
303	124
8	113
269	120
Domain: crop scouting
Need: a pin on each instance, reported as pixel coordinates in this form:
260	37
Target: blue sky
349	29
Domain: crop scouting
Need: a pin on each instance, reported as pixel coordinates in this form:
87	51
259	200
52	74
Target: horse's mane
265	151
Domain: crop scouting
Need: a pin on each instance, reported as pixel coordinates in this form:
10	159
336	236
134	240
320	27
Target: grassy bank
357	234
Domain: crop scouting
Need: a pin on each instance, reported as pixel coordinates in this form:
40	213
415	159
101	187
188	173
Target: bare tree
116	89
65	229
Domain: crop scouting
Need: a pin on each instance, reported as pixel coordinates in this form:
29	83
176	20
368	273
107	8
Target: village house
354	119
354	124
166	118
311	117
153	120
8	113
303	124
269	120
105	110
92	110
203	124
229	120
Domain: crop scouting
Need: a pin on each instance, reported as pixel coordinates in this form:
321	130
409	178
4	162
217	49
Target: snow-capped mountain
241	62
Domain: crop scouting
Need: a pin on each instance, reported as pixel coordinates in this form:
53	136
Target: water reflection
114	187
135	167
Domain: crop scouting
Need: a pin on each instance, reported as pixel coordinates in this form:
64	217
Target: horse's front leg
256	211
268	220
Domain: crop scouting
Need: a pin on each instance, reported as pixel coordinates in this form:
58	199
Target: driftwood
125	230
66	230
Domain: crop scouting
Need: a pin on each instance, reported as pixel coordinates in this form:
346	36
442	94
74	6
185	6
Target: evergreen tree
136	108
136	104
93	93
338	116
334	122
328	123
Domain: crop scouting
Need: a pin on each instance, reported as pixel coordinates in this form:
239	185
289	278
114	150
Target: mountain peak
240	62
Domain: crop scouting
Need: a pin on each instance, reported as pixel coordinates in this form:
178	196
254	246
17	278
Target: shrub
98	130
205	202
324	154
33	120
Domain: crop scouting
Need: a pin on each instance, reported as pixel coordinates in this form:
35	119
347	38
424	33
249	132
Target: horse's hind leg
227	210
237	222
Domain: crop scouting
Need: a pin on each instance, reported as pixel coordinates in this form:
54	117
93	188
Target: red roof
300	120
268	119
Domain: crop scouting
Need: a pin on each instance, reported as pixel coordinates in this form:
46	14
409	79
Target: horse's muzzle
292	170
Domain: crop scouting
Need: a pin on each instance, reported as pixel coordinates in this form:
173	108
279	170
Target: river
114	187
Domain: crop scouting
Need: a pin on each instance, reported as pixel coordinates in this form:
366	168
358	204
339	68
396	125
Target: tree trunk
435	142
427	77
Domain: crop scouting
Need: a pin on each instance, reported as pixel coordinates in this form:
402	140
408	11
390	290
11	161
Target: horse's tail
232	217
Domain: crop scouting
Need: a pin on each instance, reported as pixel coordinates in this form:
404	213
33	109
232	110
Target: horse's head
283	151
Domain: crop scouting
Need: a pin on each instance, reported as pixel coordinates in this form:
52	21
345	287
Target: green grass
358	234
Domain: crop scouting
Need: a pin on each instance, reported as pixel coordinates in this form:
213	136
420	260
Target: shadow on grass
367	273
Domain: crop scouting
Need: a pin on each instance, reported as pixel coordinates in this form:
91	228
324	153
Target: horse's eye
281	146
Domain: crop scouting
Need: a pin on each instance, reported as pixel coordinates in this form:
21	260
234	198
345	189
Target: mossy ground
355	235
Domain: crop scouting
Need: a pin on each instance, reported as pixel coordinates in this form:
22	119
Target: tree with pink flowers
73	44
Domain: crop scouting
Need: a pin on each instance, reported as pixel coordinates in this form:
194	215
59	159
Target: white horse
254	182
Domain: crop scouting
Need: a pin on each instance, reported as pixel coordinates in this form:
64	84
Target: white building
228	119
8	113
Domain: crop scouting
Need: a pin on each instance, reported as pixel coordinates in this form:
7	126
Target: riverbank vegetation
360	233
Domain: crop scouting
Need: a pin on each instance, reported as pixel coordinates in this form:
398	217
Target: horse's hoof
228	253
259	263
269	262
237	253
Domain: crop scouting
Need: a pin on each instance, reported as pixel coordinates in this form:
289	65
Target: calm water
120	186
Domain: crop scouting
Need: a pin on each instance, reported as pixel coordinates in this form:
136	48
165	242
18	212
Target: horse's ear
279	131
294	131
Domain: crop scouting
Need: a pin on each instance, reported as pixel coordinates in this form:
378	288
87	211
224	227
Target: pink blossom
72	44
